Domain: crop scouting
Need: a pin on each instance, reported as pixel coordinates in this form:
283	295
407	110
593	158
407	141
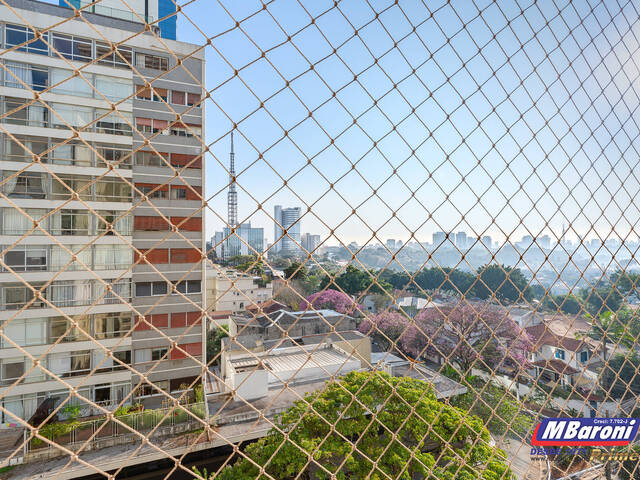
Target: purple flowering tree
466	333
332	300
385	328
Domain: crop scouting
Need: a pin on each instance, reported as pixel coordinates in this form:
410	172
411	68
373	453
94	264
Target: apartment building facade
94	187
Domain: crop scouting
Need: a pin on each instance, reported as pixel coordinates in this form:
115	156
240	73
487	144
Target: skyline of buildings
103	287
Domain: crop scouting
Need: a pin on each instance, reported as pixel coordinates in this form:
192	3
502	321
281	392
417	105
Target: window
64	188
114	89
11	369
61	258
178	98
584	356
113	190
16	296
61	327
70	293
151	159
71	153
149	125
27	258
72	47
158	353
112	257
188	286
153	191
24	149
64	81
143	355
114	123
153	62
117	221
119	289
70	222
14	222
150	224
193	99
178	193
147	390
559	354
186	130
184	160
26	112
147	289
112	325
70	115
20	74
152	94
117	56
113	155
17	34
25	331
25	185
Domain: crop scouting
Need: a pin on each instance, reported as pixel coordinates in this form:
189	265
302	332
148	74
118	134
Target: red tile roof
541	334
556	365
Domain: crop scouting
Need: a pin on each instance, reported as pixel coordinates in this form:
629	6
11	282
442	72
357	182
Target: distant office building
391	244
544	242
461	240
148	10
312	242
246	240
487	241
439	237
399	244
286	219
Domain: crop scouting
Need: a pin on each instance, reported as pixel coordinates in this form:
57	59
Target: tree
354	281
610	327
621	376
295	271
601	298
566	303
506	283
411	436
214	342
398	280
385	328
468	332
333	300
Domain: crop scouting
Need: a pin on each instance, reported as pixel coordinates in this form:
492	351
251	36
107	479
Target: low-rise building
281	324
235	291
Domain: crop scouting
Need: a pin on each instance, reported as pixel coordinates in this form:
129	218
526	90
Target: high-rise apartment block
311	242
286	240
72	161
245	240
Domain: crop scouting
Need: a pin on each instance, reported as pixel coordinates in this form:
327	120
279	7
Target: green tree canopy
434	440
214	342
506	283
354	281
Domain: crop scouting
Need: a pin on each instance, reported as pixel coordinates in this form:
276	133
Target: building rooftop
282	316
556	365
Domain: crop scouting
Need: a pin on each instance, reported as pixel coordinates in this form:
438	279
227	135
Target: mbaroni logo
594	432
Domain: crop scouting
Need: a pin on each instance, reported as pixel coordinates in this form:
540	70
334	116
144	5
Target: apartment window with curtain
71	153
61	259
24	75
112	190
61	327
111	325
70	364
14	222
63	187
65	116
110	257
113	88
113	155
25	185
119	221
70	222
70	293
30	113
25	148
151	159
114	123
18	34
63	81
120	289
26	258
25	332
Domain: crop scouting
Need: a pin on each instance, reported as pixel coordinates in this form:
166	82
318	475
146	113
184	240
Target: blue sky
500	118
